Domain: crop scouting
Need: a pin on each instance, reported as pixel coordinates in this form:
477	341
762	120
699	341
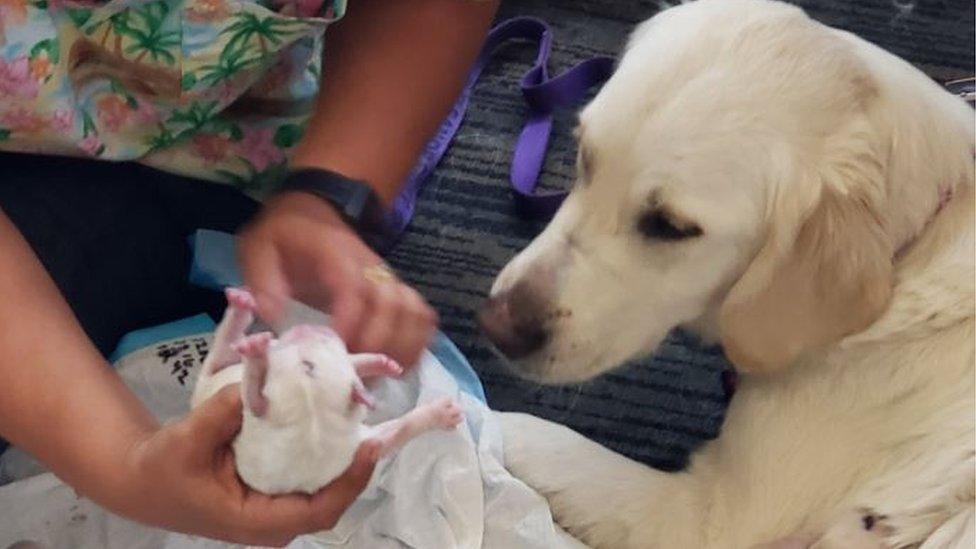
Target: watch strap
355	200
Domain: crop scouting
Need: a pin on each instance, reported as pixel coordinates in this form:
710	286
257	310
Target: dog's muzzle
515	321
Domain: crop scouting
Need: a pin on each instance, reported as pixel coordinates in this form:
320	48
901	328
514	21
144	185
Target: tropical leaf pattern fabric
219	89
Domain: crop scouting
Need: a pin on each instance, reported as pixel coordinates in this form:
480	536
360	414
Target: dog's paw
535	452
529	452
598	496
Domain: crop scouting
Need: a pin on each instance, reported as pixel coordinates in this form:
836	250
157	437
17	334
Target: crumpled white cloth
442	490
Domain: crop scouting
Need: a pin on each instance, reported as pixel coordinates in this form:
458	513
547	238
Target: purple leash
543	94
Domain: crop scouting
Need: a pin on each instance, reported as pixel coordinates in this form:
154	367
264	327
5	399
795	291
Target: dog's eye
657	224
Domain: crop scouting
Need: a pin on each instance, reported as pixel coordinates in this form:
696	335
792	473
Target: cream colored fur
814	163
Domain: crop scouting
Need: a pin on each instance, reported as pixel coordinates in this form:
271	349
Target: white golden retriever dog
806	199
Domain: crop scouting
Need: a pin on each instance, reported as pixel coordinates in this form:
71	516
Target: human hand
183	478
299	246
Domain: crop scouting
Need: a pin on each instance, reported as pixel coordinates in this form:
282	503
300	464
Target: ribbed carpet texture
465	229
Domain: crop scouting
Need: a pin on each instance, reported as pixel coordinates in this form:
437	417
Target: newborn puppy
304	401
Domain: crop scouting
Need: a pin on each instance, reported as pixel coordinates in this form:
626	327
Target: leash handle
543	94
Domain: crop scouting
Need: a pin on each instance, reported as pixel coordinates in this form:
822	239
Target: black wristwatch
355	200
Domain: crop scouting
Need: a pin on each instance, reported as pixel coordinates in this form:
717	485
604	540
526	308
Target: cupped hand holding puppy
182	477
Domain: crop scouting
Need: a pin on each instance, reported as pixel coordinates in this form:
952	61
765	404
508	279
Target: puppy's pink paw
254	345
240	298
447	414
388	367
370	365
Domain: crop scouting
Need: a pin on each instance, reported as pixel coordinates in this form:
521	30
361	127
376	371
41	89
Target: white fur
741	115
304	402
310	432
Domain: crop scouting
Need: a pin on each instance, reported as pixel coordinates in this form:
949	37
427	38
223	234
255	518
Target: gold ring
379	274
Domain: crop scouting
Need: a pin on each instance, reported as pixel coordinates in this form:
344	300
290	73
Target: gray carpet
466	229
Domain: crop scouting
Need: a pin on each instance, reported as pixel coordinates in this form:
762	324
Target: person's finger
345	297
264	275
218	419
414	327
382	309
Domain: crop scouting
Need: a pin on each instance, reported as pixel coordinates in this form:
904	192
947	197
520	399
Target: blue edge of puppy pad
214	266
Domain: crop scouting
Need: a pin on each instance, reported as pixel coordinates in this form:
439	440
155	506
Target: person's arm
393	70
62	403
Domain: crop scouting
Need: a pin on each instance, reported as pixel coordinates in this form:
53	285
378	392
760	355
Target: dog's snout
514	335
515	322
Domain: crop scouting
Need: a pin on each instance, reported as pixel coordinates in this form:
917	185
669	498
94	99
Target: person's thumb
216	421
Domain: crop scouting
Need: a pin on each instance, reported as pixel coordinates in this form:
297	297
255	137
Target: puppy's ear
820	276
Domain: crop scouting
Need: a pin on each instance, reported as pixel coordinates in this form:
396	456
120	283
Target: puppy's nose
514	324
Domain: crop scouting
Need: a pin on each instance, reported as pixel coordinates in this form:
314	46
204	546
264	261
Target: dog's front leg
601	497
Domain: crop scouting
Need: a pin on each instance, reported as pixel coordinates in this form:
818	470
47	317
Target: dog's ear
824	272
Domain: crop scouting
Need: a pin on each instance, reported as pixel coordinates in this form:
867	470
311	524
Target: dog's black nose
512	326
